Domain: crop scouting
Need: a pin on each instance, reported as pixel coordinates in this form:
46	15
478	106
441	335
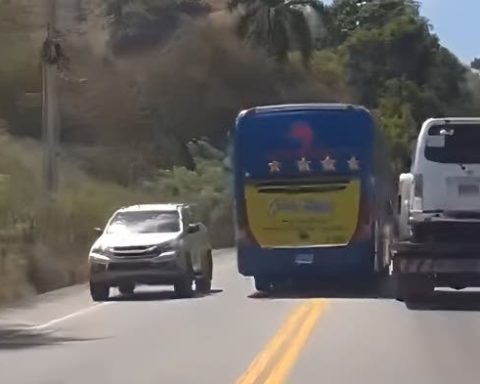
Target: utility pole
51	55
55	67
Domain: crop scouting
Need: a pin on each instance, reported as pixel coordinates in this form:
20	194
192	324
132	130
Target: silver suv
155	244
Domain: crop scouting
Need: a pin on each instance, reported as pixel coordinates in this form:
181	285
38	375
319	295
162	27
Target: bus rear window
454	143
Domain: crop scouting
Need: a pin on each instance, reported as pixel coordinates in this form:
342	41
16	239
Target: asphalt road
232	336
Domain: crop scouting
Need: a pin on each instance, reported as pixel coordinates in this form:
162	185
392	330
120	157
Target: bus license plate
304	258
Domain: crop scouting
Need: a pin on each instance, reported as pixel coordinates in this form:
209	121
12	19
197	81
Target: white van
446	178
438	238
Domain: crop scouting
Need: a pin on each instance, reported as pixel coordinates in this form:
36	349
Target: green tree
394	65
401	48
351	15
475	64
447	81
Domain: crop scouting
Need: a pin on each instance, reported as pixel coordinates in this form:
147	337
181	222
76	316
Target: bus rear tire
263	284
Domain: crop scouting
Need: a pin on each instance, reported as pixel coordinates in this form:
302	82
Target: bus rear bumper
355	260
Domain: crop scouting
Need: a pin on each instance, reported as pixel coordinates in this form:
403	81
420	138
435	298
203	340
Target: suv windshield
458	143
145	222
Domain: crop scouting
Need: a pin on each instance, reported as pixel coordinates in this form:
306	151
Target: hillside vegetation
162	72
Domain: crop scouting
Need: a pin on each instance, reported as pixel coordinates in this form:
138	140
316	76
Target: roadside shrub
206	189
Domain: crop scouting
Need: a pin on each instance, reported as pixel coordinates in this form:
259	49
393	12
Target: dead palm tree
280	26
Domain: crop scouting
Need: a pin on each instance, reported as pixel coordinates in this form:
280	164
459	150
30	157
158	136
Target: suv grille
136	251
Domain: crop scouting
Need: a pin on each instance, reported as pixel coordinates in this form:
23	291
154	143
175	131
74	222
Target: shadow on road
384	289
159	296
448	301
14	337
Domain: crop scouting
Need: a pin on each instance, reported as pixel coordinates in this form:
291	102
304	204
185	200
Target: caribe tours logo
303	133
298	205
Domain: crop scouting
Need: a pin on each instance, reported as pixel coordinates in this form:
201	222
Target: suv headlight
100	251
168	246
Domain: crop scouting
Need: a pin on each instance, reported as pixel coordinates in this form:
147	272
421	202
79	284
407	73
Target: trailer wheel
414	288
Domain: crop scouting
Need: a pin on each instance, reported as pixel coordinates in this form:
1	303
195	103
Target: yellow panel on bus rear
298	216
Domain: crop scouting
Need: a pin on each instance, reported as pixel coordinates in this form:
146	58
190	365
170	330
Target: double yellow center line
276	360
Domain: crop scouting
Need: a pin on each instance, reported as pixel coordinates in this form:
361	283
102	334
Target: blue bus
313	193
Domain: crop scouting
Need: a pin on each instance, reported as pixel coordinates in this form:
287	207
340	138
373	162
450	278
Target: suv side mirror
193	228
98	230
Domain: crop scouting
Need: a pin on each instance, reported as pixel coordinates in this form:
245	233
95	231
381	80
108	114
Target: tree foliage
19	72
475	64
220	76
278	26
136	24
347	16
395	65
158	92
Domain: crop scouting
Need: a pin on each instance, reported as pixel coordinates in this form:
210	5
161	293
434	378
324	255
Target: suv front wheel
99	292
183	286
203	283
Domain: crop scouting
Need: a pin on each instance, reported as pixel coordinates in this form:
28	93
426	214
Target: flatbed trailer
421	266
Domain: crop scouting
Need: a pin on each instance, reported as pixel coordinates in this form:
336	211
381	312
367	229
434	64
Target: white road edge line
67	317
80	312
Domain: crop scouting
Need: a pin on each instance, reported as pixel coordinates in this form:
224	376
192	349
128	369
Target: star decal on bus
353	164
328	164
274	166
303	165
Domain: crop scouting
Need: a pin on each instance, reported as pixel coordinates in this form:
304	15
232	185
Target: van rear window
454	143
